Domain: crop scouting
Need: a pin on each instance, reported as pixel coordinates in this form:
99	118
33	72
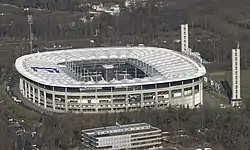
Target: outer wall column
81	105
156	96
34	96
193	95
201	92
45	99
25	89
21	88
112	102
96	101
38	96
142	98
183	98
53	99
170	97
29	92
66	100
126	99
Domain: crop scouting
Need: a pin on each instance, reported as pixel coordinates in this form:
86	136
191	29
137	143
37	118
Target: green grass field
245	81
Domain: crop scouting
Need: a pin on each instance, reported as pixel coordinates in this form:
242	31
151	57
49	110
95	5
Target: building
110	79
236	95
132	136
113	10
141	3
185	45
184	39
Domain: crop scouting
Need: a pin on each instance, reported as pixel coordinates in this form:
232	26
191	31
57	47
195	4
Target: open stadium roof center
88	73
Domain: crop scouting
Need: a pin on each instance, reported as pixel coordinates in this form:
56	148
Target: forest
215	28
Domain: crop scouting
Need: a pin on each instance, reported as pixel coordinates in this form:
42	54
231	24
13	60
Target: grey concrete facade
97	100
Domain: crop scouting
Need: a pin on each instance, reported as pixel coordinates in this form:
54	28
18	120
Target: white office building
140	136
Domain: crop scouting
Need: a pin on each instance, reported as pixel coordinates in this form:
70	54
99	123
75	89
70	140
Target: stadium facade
110	79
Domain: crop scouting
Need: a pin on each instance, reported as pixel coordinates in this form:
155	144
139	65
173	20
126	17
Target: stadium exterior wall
173	79
188	93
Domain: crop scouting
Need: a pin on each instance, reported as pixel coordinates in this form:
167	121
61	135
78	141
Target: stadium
110	79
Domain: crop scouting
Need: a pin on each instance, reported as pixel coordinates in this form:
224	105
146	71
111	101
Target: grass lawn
15	110
245	81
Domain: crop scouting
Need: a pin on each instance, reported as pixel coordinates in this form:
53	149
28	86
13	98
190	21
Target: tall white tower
184	39
236	98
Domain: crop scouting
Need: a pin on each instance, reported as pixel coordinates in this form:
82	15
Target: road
210	100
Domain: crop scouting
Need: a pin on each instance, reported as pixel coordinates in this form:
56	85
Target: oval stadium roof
172	66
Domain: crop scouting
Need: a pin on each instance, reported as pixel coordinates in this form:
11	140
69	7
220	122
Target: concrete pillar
21	85
111	100
66	100
182	97
156	96
25	89
170	97
96	101
34	96
142	100
81	108
126	100
29	91
193	95
170	94
135	72
53	100
45	99
38	96
201	92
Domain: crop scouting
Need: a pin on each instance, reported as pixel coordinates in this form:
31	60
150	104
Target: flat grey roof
119	130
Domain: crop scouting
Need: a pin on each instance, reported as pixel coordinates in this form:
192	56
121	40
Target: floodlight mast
30	22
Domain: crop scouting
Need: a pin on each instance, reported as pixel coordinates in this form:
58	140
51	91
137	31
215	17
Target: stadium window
150	86
73	89
176	83
48	87
196	79
162	85
59	89
187	81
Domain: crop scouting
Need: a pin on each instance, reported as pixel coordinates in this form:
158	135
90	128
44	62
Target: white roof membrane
44	67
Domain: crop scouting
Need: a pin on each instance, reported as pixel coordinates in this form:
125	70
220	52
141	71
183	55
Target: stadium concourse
110	79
